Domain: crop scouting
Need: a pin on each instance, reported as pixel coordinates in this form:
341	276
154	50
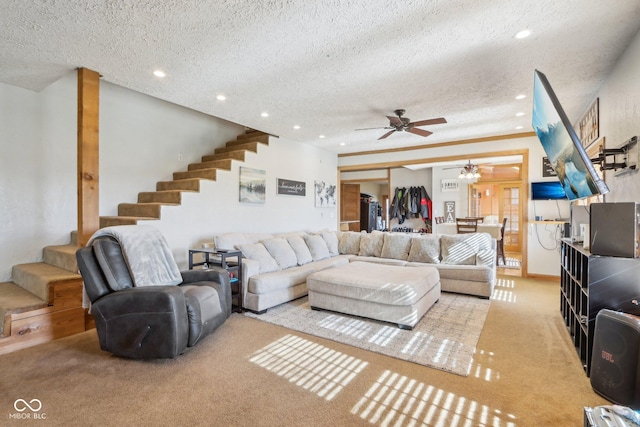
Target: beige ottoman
389	293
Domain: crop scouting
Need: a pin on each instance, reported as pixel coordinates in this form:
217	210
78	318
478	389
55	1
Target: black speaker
615	373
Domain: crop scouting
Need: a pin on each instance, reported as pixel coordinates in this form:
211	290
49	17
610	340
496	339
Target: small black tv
568	158
548	190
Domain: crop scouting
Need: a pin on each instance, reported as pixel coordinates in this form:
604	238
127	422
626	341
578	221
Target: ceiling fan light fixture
469	171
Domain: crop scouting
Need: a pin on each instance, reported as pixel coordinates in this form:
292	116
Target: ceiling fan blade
395	121
385	127
437	121
420	132
386	134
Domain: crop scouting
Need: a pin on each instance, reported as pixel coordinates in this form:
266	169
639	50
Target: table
451	228
220	258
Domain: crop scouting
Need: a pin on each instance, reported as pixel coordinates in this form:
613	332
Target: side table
220	258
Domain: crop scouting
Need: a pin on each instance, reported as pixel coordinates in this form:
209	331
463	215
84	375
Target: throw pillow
461	249
317	246
331	239
396	246
301	249
257	252
349	243
425	249
371	244
281	251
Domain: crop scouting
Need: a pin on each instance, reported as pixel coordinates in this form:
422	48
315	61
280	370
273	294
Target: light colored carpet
444	339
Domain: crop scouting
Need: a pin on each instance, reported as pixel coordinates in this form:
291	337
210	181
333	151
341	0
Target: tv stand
589	283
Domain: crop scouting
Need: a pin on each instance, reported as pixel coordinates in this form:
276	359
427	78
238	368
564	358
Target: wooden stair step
213	164
170	197
148	210
110	221
254	136
192	184
61	256
15	299
37	278
209	174
233	155
247	146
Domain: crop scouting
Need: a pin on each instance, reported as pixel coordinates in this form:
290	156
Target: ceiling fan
468	171
404	124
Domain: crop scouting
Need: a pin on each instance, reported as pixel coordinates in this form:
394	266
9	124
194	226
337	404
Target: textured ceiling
329	66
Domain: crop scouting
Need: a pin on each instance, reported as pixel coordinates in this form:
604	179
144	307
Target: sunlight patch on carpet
396	400
309	365
444	339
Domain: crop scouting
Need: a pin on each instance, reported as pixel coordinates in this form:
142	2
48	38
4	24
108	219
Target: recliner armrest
143	322
213	274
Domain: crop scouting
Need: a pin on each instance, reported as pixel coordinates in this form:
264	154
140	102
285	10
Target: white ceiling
329	66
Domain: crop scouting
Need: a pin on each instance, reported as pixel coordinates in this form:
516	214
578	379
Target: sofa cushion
463	249
331	239
425	249
232	240
317	246
378	260
371	244
269	282
280	249
257	252
396	246
301	249
468	273
349	243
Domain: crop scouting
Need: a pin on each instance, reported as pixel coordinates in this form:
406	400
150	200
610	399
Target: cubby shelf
589	283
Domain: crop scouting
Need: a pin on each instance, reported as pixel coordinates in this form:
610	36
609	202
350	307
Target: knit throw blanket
146	253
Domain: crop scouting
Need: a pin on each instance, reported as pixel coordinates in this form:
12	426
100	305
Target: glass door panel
510	208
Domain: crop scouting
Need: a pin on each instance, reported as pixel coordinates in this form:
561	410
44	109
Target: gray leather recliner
151	321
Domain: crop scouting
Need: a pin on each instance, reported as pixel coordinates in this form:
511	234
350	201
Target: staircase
44	300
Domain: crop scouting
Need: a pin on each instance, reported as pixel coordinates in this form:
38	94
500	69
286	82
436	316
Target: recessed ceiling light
342	144
221	97
523	34
521	96
296	127
520	114
321	136
518	127
159	73
265	114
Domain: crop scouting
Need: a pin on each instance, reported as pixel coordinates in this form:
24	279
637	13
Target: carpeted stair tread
36	277
210	174
213	164
192	184
148	210
251	136
233	155
61	256
109	221
15	299
168	197
248	146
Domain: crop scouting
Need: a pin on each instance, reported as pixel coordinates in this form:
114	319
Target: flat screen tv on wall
563	147
548	190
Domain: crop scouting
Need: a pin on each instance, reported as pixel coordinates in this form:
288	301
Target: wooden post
88	148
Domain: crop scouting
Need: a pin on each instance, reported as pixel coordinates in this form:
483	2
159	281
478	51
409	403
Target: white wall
37	170
142	141
620	118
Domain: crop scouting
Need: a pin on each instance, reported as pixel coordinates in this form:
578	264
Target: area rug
444	339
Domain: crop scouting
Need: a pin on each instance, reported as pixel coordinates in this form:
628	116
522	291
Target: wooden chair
500	245
467	225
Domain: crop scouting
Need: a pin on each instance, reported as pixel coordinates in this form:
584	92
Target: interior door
510	207
350	206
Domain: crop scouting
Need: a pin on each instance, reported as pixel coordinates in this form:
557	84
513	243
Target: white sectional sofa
275	266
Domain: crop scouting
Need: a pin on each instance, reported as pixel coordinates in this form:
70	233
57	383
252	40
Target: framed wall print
589	125
253	184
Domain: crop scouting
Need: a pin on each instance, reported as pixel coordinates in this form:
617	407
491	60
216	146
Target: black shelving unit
589	283
228	260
